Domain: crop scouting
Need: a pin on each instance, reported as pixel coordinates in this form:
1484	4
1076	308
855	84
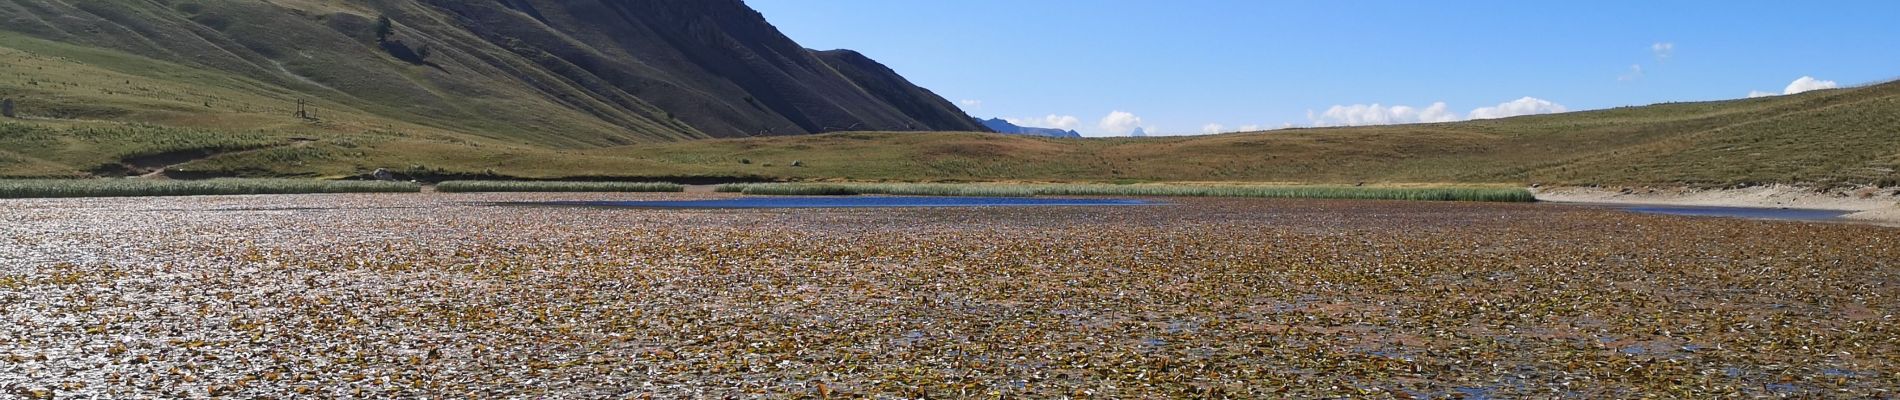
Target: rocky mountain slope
549	73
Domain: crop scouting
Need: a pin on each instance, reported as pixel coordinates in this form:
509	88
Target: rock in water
383	175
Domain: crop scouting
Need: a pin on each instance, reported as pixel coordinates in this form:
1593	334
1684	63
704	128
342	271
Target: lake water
852	202
1795	214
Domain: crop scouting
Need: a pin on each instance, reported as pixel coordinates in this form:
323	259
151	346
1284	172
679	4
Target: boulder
383	175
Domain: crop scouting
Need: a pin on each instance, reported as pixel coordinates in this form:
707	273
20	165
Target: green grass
1826	138
790	189
50	188
92	108
85	147
1489	194
142	76
550	186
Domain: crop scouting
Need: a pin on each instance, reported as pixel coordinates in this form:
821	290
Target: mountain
600	89
1138	132
550	73
1004	127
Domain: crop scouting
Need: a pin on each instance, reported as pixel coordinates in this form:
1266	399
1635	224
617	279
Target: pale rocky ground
1879	205
450	296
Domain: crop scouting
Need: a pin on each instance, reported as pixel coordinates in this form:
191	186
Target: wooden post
300	112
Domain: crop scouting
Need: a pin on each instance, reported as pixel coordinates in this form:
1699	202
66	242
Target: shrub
384	28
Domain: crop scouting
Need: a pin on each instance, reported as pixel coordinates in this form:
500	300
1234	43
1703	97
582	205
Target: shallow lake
1795	214
852	202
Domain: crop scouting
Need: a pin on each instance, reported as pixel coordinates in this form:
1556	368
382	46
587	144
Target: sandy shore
1881	205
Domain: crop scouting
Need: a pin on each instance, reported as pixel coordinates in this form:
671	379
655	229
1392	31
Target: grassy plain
1822	138
437	295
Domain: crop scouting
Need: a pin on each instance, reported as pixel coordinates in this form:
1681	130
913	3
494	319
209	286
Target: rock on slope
567	73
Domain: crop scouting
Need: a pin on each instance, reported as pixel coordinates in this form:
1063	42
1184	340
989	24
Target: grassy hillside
1834	137
545	73
89	110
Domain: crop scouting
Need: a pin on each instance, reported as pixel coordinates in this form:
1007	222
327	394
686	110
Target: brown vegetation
398	296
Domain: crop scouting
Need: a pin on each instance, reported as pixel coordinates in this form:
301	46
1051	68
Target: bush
384	28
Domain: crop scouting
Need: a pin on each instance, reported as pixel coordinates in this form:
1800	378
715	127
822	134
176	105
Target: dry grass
128	187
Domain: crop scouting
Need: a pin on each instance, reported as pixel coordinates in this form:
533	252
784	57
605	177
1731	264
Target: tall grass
1000	190
790	189
49	188
529	186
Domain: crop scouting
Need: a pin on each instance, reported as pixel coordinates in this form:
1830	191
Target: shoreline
1867	204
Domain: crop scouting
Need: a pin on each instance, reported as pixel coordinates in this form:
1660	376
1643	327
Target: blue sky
1177	67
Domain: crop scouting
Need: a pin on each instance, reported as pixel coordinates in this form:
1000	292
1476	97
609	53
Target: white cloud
1120	122
1063	122
1375	114
1635	73
1524	106
1803	84
971	105
1663	50
1213	128
1808	83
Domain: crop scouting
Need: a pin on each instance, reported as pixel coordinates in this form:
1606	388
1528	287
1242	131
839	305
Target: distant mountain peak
1005	127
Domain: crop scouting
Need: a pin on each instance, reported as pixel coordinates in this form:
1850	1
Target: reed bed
1005	190
529	186
52	188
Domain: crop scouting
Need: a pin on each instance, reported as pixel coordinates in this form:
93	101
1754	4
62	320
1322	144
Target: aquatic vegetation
555	186
440	296
51	188
786	189
1494	194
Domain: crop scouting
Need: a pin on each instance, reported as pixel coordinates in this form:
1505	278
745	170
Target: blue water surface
852	202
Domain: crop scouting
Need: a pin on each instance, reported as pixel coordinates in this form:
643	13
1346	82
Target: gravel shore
441	295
